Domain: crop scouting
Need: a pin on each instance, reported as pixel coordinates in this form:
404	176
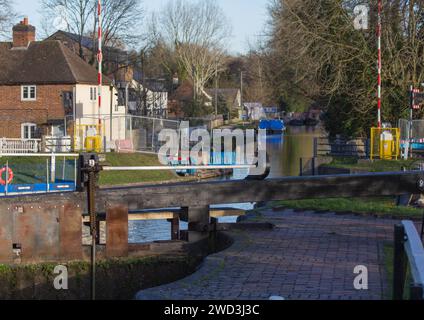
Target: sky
248	18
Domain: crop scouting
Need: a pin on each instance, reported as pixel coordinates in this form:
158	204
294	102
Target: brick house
45	88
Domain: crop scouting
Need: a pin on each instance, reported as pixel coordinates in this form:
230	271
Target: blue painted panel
38	188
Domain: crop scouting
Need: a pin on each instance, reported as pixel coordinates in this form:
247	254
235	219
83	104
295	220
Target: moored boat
275	126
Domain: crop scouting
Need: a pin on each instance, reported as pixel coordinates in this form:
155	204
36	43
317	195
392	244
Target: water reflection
285	152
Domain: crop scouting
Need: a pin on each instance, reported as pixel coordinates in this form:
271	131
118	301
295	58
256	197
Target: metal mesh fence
144	132
122	133
416	132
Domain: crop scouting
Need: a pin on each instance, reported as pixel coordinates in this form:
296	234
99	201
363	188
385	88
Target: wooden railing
14	146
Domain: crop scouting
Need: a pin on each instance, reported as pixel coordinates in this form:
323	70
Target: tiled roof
46	62
109	53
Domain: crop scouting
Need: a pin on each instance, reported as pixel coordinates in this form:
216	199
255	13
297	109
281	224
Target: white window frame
28	87
29	125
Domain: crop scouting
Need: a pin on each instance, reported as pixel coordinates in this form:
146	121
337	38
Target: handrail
415	252
409	252
42	155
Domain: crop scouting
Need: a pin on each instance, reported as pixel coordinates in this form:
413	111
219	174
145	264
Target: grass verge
29	170
129	177
372	166
381	207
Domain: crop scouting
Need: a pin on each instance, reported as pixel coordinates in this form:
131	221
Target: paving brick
306	257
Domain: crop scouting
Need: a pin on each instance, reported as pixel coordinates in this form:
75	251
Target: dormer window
29	93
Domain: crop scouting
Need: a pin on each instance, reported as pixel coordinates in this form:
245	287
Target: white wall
87	111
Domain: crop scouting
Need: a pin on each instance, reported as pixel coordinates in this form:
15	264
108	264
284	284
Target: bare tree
196	32
121	22
73	15
121	19
6	17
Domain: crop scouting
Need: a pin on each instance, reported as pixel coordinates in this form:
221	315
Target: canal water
285	152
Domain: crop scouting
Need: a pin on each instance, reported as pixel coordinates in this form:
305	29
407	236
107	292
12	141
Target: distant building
46	89
231	97
254	111
272	112
149	97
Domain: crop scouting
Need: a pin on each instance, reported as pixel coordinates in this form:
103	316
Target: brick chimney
23	34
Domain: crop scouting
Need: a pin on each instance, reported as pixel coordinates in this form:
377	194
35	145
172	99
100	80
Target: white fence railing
57	144
9	146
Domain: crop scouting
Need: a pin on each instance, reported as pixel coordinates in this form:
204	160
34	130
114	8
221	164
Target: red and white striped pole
100	59
379	28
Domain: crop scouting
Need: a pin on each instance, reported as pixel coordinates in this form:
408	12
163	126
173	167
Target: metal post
153	136
47	176
75	172
53	169
7	177
64	169
131	129
111	114
399	268
301	167
89	169
93	227
315	147
100	58
379	34
411	119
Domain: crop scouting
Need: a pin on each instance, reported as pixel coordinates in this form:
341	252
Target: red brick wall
14	112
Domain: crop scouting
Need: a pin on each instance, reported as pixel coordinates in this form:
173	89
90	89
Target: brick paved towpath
308	256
